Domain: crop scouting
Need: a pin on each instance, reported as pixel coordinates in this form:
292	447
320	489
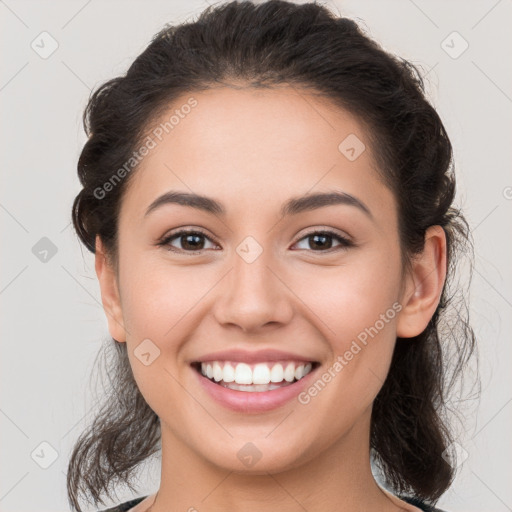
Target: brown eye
193	241
321	241
190	241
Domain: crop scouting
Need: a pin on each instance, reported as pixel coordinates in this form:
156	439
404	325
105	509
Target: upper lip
244	356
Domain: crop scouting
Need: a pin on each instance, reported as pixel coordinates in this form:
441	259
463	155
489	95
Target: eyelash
165	241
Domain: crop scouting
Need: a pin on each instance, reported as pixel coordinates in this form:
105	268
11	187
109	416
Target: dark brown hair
305	46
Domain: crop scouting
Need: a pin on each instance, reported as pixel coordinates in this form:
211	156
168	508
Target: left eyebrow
293	206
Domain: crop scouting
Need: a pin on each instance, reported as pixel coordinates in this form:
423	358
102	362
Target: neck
339	477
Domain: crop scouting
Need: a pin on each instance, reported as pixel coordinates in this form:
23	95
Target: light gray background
52	320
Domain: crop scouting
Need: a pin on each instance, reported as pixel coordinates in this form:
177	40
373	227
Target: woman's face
254	280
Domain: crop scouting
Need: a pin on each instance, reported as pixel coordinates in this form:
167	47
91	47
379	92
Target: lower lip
256	401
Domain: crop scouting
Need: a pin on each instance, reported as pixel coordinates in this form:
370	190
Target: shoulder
126	506
420	504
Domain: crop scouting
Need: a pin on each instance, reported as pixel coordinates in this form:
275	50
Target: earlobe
424	285
109	293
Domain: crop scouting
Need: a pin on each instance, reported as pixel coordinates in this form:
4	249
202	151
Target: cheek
352	297
157	294
157	302
356	308
357	316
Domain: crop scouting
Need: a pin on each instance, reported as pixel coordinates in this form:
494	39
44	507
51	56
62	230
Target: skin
252	150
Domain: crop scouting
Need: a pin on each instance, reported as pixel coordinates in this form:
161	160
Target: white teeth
299	372
243	374
277	373
259	375
252	388
289	372
217	371
302	370
228	373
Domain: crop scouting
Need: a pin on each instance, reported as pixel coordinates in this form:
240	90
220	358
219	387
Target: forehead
250	146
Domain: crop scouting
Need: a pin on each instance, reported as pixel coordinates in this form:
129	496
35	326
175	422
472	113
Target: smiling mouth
258	377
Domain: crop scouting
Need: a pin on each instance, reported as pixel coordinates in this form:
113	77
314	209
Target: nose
253	297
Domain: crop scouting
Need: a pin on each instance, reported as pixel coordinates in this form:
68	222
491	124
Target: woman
269	197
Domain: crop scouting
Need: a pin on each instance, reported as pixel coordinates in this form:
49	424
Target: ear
109	293
424	285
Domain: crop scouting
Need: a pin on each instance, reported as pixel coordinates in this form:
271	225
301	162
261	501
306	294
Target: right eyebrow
313	201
